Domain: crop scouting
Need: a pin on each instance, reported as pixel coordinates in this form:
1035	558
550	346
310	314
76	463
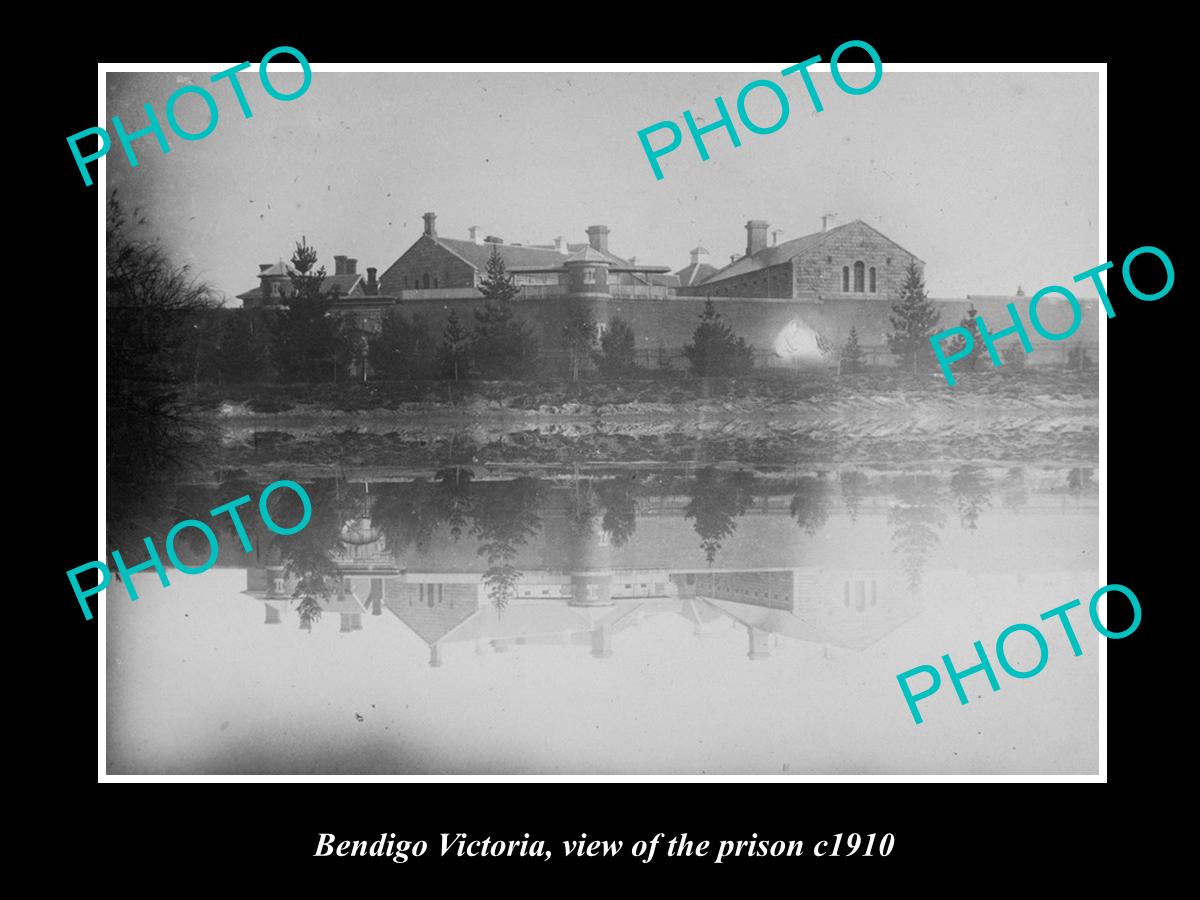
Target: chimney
699	255
775	237
372	286
339	265
474	232
560	244
825	220
430	224
633	260
598	237
351	266
756	236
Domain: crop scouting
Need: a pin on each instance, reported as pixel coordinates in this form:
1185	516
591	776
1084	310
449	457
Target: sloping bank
895	425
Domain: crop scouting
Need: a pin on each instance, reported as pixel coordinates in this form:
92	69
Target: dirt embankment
651	397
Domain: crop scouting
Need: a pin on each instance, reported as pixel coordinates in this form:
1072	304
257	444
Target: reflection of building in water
846	608
841	584
348	600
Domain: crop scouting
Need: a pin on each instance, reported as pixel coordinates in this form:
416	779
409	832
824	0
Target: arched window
435	281
845	279
872	279
425	280
858	277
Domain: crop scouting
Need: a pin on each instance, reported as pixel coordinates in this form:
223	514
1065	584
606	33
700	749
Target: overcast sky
991	179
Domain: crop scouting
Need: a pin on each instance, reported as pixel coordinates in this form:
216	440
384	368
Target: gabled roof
478	255
589	254
781	253
346	285
694	273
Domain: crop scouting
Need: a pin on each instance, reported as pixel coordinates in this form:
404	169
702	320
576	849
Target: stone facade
427	264
833	263
852	260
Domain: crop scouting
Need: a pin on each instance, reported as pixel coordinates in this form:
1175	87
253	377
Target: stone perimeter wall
670	323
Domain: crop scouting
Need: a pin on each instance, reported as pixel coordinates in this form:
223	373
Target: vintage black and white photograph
606	474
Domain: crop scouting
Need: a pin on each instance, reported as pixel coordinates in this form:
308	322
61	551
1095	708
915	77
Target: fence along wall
662	327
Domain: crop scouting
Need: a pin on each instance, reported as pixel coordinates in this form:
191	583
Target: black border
1146	370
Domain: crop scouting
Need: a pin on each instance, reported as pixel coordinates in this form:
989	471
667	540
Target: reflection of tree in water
1014	493
915	519
408	514
455	482
620	510
810	503
308	609
310	554
854	488
717	498
1079	480
972	492
503	522
583	504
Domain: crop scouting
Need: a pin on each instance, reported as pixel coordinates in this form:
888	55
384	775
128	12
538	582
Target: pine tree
971	361
502	346
578	337
452	354
616	356
714	349
853	358
403	348
242	353
309	338
913	321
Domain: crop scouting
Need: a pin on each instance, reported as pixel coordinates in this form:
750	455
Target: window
873	280
829	259
845	279
589	276
889	261
435	281
276	289
858	277
425	280
601	328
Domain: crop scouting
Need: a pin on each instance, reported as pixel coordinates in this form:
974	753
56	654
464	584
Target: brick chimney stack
351	266
474	232
598	237
372	284
430	224
339	265
756	236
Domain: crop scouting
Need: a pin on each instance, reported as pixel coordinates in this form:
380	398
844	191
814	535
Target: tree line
304	340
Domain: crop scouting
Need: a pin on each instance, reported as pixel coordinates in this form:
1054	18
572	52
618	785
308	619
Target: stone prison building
794	301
